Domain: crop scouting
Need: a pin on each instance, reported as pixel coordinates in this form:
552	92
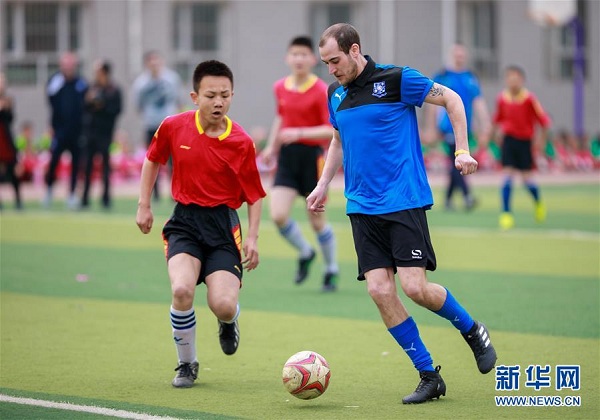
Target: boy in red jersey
517	111
299	131
214	172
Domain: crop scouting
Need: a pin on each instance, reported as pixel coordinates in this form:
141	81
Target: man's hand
465	163
144	218
316	200
250	248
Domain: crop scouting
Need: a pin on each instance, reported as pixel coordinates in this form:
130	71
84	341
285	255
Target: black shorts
516	153
299	167
211	234
399	239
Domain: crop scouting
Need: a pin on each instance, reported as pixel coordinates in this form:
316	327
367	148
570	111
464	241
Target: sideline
123	414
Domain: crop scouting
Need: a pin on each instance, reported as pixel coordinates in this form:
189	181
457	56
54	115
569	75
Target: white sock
328	246
184	334
292	233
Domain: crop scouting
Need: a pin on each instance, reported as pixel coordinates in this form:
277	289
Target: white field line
82	408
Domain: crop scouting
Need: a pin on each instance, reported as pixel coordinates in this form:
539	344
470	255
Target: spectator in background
595	150
26	148
8	151
66	91
517	112
103	106
156	93
460	79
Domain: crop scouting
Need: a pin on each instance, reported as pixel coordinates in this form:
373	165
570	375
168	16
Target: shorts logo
417	254
237	237
379	89
185	147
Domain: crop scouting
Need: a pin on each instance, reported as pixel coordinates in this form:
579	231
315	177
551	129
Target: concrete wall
255	36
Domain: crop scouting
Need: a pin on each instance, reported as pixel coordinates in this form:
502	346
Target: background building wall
253	37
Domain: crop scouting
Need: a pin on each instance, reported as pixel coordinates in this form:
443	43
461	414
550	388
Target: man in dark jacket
102	106
66	91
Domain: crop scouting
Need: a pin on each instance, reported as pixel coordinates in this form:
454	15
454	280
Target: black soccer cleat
478	338
303	266
329	282
229	337
431	386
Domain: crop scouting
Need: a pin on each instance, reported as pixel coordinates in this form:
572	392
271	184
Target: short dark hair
106	67
211	68
344	34
303	41
515	68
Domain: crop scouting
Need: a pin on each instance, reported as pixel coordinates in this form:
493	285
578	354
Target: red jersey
303	107
517	115
208	171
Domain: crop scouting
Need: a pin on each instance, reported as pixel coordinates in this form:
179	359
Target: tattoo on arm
436	90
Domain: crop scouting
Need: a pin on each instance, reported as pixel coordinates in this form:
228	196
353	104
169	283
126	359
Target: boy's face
300	59
513	80
213	98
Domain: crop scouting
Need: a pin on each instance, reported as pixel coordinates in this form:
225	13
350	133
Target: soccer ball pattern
306	375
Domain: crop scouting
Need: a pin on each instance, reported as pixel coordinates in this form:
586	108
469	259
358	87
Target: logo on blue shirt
379	89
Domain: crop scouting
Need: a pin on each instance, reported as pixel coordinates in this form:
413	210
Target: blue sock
534	190
506	190
456	314
407	335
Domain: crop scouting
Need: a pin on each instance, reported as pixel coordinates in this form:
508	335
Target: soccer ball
306	375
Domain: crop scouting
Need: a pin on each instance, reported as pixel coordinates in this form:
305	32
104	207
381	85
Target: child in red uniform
214	172
8	151
299	131
517	112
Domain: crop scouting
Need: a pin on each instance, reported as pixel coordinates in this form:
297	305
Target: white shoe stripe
481	330
484	336
487	342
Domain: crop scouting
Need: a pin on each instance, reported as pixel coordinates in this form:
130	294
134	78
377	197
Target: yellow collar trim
310	82
223	136
518	98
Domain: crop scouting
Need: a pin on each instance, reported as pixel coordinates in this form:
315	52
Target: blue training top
375	115
466	85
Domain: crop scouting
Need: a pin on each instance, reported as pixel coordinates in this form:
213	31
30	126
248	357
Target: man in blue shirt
460	79
376	138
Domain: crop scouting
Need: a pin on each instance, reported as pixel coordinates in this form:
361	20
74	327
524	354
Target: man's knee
381	289
414	285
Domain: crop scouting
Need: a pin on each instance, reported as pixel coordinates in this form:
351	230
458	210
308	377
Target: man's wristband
461	152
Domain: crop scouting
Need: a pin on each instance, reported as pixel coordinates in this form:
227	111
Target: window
34	34
323	15
560	48
476	27
195	32
41	32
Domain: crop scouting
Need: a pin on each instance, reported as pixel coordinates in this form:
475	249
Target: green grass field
106	342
